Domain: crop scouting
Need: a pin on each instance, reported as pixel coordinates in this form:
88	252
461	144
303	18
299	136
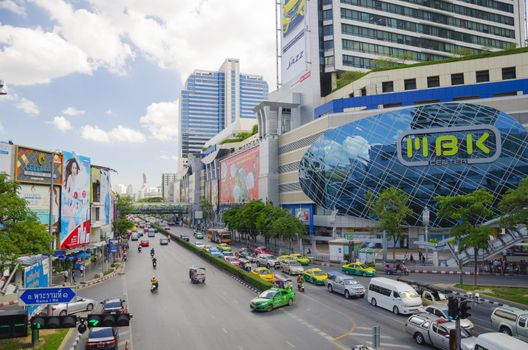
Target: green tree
151	200
207	210
22	233
390	208
514	205
265	219
386	62
288	227
124	206
468	211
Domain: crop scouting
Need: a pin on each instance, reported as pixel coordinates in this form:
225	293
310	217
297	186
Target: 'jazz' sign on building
452	145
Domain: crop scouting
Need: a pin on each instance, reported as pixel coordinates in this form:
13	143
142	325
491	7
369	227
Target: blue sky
102	78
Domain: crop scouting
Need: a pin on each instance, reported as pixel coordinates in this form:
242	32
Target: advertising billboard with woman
75	204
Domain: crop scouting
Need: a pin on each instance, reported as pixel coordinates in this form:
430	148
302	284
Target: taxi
284	257
315	276
357	268
264	273
273	298
134	229
301	259
224	247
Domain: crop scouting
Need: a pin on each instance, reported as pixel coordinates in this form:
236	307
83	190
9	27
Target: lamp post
50	222
425	219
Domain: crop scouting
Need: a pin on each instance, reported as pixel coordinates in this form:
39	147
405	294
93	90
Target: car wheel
373	302
89	307
290	302
419	339
505	330
62	313
364	274
268	266
347	294
395	310
330	289
270	308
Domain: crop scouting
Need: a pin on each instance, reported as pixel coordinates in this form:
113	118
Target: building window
482	76
328	30
363	91
327	14
508	73
433	81
410	84
328	45
387	86
457	79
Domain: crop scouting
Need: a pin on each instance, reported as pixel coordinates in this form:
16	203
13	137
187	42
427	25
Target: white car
199	244
440	310
267	260
291	267
78	304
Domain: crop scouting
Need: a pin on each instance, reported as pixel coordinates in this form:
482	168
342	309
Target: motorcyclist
125	256
300	282
152	252
154	262
154	282
139	248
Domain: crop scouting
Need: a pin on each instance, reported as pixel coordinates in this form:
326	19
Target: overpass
158	208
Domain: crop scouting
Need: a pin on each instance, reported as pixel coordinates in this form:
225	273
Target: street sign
40	296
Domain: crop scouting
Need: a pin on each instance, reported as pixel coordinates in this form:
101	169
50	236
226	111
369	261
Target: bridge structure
159	208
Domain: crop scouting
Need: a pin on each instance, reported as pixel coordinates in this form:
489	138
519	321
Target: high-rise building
167	185
130	190
216	100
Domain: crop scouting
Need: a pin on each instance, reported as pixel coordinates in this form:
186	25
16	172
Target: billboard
239	177
106	197
38	198
303	214
36	276
294	40
34	166
6	158
214	194
75	208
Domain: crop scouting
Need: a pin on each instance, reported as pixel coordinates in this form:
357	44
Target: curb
247	285
68	336
443	272
487	300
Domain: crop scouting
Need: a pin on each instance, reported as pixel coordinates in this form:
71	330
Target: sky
102	78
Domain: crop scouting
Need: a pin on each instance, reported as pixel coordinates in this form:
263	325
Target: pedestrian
81	268
420	255
423	259
73	276
309	251
405	258
411	259
65	275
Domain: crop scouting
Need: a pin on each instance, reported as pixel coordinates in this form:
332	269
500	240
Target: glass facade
427	151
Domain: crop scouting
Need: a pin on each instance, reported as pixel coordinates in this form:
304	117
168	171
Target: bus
219	235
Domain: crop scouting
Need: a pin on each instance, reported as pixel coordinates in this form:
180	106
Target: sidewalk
91	272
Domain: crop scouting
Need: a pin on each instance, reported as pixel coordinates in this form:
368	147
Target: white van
498	341
392	295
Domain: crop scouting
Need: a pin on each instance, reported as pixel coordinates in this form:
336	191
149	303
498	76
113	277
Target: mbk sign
472	144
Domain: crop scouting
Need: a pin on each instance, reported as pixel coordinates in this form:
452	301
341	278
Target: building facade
167	186
213	101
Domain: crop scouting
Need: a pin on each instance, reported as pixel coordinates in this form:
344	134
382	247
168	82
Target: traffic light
464	308
109	320
13	324
452	307
50	322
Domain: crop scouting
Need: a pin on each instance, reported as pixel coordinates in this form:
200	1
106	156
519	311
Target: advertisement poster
6	158
294	39
75	209
105	195
207	191
34	166
303	214
38	198
36	276
239	177
214	194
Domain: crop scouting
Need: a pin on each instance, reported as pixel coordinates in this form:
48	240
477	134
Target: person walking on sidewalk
73	276
81	269
65	275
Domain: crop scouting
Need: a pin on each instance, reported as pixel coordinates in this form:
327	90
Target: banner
38	198
6	158
303	214
34	166
105	195
36	276
239	177
75	204
294	40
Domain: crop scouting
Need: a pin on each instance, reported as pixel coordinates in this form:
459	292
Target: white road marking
390	345
224	330
290	344
125	292
369	335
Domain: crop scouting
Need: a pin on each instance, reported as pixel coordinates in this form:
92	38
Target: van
498	341
392	295
511	321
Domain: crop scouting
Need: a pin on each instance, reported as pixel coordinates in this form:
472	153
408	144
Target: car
76	305
273	298
103	338
315	276
198	235
164	241
245	253
224	247
151	234
498	341
199	244
134	229
262	250
264	273
232	260
114	306
429	329
134	237
510	320
343	284
267	260
430	297
206	247
184	237
440	310
291	267
144	242
228	254
166	228
215	252
301	259
357	268
284	257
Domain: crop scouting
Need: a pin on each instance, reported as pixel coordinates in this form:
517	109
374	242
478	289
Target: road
217	315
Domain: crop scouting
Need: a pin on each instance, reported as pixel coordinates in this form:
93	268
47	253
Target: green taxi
224	247
315	276
198	235
357	268
272	299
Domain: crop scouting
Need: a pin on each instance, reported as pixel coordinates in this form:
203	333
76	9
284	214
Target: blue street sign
40	296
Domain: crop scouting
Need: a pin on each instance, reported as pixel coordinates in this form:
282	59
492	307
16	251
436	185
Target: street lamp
50	222
3	88
425	219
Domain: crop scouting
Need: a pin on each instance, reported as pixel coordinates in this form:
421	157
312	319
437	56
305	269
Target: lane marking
369	335
391	345
224	330
125	292
290	344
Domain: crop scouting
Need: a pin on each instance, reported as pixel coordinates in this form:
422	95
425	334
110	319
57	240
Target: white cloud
161	120
28	106
117	134
167	157
2	129
12	6
61	123
109	112
72	111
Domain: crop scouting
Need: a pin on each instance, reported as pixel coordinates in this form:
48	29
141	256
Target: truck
510	320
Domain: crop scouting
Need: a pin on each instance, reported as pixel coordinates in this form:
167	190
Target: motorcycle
154	264
151	253
139	249
300	287
154	288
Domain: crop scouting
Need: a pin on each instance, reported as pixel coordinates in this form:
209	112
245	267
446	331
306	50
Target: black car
184	237
164	241
114	306
103	338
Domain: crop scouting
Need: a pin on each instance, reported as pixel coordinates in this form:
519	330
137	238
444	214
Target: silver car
343	284
440	310
291	267
267	260
78	304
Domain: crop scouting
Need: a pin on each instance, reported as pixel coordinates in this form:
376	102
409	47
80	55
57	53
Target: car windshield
350	282
263	272
318	273
440	296
293	263
269	294
409	294
112	305
101	332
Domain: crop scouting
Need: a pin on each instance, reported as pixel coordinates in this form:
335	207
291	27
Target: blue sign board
41	296
36	276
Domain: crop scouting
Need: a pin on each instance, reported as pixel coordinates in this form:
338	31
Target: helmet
153	277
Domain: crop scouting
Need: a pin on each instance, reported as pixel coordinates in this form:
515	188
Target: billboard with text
239	177
6	158
38	198
294	40
34	166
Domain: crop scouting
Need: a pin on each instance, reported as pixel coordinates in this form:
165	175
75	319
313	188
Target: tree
288	227
207	210
265	219
468	211
123	207
151	200
390	209
514	205
22	233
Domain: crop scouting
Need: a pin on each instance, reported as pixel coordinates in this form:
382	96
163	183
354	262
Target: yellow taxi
134	229
357	268
300	259
284	257
264	273
315	276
